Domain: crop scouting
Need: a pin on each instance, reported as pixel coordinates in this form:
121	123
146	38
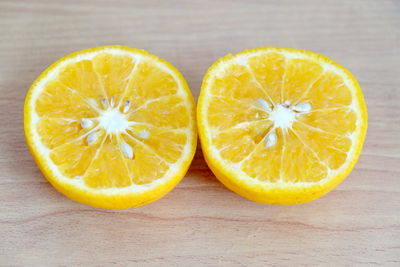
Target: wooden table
201	222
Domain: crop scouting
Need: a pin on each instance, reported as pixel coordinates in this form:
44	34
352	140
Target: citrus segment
236	143
299	162
107	168
165	111
329	91
58	101
149	83
299	76
80	77
274	65
114	72
226	113
336	120
148	165
57	131
330	148
165	142
73	158
254	164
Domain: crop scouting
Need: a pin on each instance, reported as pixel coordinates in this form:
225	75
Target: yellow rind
99	199
274	193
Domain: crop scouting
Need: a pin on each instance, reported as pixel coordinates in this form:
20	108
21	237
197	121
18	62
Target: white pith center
113	121
282	116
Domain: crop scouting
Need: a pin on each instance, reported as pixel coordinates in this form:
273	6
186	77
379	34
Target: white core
113	121
282	117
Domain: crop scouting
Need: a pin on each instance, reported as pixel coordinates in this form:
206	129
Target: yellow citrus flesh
111	127
279	125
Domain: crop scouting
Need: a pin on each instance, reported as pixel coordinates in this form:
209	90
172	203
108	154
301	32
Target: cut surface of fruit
111	127
280	125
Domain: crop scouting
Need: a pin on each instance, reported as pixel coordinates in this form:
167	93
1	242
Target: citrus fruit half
280	126
111	127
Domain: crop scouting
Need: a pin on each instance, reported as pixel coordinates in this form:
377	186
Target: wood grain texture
200	223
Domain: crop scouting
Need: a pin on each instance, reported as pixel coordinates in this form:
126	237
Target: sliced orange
111	127
280	126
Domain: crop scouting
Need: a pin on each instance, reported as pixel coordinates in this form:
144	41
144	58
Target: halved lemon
280	126
111	127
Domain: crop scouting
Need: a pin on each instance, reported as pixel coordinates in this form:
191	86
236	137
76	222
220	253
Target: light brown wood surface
201	223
